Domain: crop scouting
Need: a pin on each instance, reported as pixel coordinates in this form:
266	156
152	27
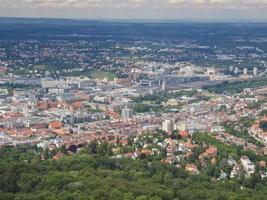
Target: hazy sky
197	10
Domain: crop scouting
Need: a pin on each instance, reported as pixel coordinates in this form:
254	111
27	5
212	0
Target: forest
29	173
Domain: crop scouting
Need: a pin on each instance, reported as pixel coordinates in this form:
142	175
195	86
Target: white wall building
168	125
126	114
248	166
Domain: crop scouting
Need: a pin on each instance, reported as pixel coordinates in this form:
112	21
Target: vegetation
163	96
243	125
236	87
263	125
263	113
12	86
92	174
102	74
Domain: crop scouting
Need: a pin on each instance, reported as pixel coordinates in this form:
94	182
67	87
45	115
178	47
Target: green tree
128	196
142	197
28	182
115	195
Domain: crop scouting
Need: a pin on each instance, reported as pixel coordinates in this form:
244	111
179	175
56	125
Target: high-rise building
236	70
163	87
255	71
168	125
126	114
245	71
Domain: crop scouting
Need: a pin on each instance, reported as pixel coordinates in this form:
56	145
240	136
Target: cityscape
132	110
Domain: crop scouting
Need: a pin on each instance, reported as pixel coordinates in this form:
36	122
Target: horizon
133	20
151	10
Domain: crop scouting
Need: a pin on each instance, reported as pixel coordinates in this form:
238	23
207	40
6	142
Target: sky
184	10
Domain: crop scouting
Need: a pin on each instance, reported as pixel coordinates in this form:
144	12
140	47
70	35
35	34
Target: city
177	102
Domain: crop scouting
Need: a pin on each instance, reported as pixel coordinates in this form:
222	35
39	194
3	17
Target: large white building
248	166
236	70
255	71
126	114
245	71
168	125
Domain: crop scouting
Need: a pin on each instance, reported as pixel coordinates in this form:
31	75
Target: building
211	71
52	86
171	80
191	168
168	125
172	103
245	71
236	70
248	166
126	114
55	125
255	71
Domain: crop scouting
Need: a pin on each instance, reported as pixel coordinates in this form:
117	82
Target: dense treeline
90	174
236	87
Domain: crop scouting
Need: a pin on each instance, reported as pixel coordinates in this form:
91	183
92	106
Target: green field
40	67
101	75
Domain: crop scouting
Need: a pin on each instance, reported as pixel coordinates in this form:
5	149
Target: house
55	125
235	171
213	161
21	133
58	156
191	168
132	155
223	176
209	153
61	132
248	166
76	106
38	126
183	134
147	152
182	147
42	106
262	164
231	161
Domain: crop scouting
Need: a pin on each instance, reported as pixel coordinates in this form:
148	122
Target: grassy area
40	67
101	75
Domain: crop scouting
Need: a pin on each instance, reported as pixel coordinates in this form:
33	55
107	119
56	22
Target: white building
248	166
168	125
126	114
255	71
236	70
245	71
211	71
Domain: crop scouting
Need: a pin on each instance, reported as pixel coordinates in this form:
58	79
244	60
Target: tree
168	179
142	197
92	147
63	149
263	125
128	196
115	195
155	198
46	153
28	182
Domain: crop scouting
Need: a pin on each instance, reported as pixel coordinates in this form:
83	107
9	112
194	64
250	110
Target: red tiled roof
183	133
55	124
211	150
42	106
